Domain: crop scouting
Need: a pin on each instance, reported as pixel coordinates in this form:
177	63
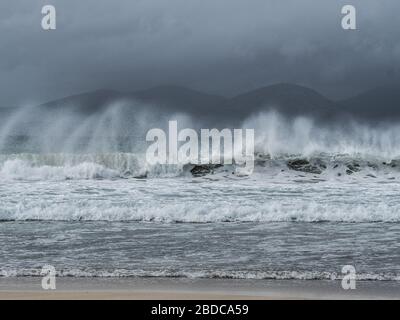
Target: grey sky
220	46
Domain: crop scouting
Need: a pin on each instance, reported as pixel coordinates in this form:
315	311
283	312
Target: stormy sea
77	193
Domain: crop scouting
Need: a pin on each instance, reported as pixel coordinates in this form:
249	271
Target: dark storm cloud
221	46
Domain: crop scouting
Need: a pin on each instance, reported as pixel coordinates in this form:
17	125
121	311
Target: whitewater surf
84	198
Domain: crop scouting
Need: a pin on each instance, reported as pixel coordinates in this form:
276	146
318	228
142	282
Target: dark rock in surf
297	164
204	169
372	165
304	165
352	167
141	176
394	163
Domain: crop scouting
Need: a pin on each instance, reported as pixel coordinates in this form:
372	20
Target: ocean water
110	215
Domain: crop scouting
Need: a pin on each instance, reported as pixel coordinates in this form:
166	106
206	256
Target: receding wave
199	274
201	211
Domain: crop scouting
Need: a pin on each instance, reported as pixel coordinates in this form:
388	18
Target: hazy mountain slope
382	103
180	99
88	102
288	99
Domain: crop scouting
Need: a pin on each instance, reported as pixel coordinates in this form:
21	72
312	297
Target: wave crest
34	167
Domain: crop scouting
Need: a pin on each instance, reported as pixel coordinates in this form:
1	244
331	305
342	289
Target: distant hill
180	99
88	102
289	99
380	103
286	98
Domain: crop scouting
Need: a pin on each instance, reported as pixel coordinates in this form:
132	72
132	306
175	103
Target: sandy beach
192	289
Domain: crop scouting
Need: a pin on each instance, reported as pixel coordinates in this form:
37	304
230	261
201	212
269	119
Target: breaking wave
111	145
80	166
137	210
58	167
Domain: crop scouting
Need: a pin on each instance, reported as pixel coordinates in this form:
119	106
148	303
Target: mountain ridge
286	98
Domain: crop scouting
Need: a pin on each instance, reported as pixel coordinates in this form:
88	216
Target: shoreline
27	288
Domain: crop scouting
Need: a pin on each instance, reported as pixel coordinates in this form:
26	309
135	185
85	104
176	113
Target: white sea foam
23	170
81	166
31	166
254	275
348	175
279	210
90	148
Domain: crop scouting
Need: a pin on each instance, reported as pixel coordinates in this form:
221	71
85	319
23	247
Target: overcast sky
220	46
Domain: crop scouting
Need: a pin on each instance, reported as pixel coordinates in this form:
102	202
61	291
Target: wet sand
193	289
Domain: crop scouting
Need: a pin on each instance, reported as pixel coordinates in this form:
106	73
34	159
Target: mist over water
110	143
55	146
40	130
276	136
86	173
121	127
